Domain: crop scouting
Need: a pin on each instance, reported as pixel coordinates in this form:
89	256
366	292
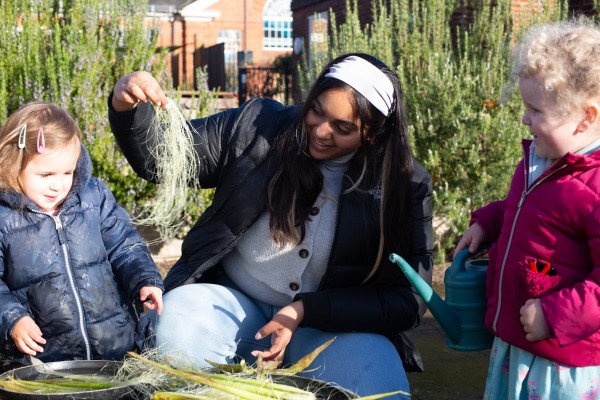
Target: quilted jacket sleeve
489	219
491	216
573	312
11	309
128	254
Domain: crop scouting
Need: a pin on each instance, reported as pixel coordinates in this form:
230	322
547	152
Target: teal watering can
462	314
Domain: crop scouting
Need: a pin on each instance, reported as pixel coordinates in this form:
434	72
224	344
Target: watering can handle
458	263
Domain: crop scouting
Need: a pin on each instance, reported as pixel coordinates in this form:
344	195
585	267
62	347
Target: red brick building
254	31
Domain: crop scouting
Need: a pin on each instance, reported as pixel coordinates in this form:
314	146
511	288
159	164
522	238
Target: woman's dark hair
384	160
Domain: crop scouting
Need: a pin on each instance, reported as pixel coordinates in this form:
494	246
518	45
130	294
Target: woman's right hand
28	336
281	328
472	238
135	87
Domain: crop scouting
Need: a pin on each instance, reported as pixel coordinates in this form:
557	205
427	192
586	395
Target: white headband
367	80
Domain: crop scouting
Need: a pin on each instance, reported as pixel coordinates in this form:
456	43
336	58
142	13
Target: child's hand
534	321
155	295
473	238
28	336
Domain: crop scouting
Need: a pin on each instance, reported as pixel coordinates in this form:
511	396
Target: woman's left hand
534	321
281	328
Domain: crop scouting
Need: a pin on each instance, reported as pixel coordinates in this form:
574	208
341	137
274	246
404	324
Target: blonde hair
60	129
565	58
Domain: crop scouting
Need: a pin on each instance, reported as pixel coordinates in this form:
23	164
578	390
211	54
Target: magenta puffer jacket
555	221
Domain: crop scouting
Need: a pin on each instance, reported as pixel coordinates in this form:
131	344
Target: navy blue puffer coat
76	273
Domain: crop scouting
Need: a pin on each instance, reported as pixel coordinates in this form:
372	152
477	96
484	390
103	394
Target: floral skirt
516	374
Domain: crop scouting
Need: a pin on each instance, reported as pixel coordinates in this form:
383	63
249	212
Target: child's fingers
154	303
463	243
34	345
152	298
38	338
36	333
474	246
25	349
158	304
29	346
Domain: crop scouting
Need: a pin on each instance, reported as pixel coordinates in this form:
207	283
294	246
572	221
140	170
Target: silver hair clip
22	136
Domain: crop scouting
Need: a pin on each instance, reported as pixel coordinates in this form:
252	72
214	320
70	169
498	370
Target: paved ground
449	374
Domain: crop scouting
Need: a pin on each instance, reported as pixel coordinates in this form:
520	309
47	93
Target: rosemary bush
464	119
71	53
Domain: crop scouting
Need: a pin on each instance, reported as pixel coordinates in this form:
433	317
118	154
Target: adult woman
309	203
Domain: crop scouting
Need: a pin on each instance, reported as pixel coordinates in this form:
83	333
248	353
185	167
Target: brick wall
189	35
524	8
585	7
303	9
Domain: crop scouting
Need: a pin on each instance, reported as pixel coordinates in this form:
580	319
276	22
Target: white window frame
277	33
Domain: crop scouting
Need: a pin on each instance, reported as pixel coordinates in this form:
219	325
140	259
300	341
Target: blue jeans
217	323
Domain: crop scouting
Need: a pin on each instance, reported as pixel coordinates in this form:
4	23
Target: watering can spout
446	316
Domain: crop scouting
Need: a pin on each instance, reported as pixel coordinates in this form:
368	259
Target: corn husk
57	385
154	378
239	386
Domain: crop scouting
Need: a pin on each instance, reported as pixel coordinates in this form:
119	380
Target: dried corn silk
176	170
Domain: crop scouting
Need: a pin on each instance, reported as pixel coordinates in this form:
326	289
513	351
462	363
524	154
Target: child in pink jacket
543	283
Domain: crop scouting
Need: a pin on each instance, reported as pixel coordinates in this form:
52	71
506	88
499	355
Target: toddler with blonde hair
543	283
71	262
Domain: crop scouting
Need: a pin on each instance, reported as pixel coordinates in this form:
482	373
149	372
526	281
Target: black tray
98	367
101	367
321	389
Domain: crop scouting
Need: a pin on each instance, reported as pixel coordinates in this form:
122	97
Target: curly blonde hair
60	129
565	58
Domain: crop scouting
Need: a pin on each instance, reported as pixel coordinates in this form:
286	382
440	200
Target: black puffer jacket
233	148
76	274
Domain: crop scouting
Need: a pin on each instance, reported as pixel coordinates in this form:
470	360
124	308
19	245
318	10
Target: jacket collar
579	161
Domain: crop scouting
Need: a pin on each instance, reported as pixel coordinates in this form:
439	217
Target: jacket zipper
63	245
525	193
